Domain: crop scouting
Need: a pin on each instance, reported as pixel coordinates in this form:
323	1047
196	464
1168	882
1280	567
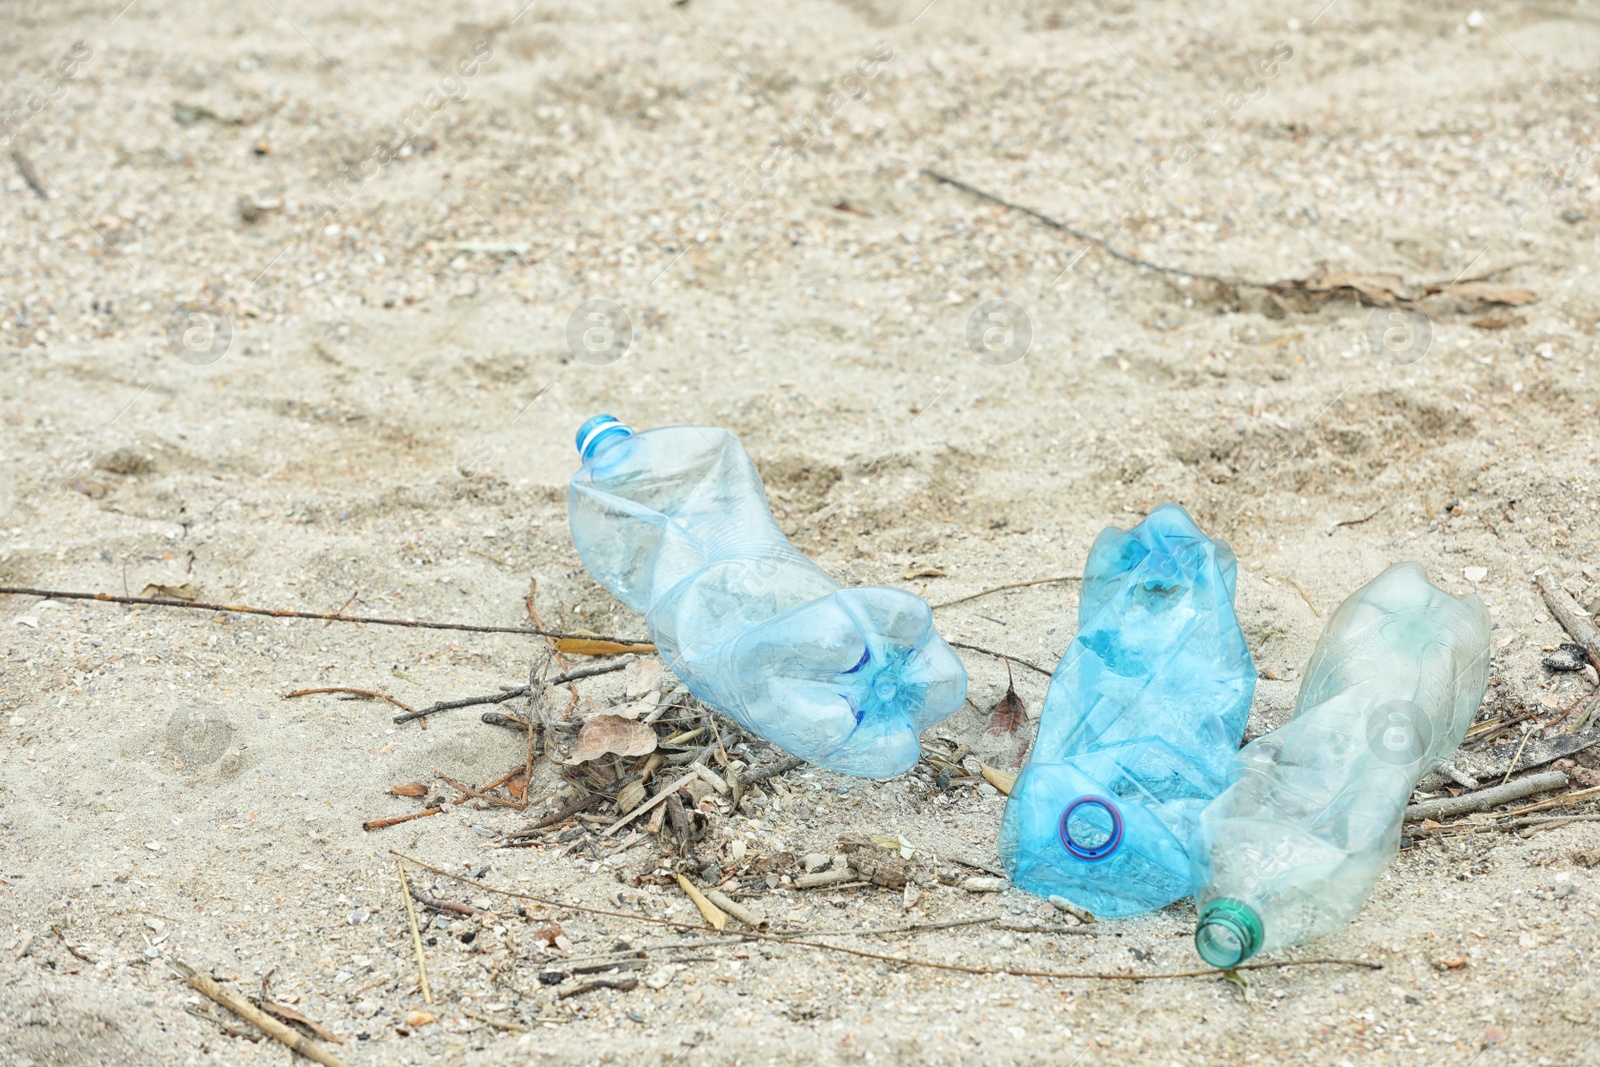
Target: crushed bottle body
675	523
1313	812
1142	715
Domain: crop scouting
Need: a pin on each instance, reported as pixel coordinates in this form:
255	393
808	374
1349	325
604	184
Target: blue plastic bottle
674	522
1143	714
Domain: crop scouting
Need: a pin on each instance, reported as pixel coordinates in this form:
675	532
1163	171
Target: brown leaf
517	786
289	1015
1493	294
630	710
1379	288
410	789
186	591
1009	714
643	675
589	646
1001	780
603	735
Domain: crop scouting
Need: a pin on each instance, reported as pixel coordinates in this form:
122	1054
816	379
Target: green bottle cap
1229	933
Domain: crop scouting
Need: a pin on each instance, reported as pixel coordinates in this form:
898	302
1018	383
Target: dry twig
511	694
284	613
396	820
905	961
1001	655
1003	588
1484	799
416	935
205	984
368	694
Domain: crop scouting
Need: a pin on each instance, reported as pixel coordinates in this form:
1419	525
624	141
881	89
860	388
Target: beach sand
295	314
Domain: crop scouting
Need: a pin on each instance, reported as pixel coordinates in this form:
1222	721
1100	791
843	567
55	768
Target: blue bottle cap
597	429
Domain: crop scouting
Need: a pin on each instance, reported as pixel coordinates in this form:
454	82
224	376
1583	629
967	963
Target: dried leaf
631	710
1498	322
410	789
1009	714
289	1015
1493	294
517	786
589	646
1001	780
924	572
186	591
643	676
604	735
546	933
1379	288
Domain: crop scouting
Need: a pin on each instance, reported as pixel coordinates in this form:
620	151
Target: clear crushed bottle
675	523
1313	812
1142	716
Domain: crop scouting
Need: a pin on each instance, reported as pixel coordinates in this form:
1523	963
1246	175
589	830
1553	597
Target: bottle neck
599	431
1229	933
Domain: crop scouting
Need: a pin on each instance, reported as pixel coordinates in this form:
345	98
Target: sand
292	324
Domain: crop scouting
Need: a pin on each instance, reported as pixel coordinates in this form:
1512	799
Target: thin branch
907	961
284	613
1570	616
511	694
771	770
1358	522
369	694
1001	655
1099	242
465	702
1003	588
1328	283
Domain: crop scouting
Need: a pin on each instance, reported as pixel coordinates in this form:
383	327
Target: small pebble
358	917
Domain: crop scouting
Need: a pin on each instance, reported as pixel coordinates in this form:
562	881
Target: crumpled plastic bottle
1312	815
1142	716
675	523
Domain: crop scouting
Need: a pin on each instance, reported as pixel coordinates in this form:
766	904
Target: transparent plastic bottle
674	522
1312	814
1142	716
